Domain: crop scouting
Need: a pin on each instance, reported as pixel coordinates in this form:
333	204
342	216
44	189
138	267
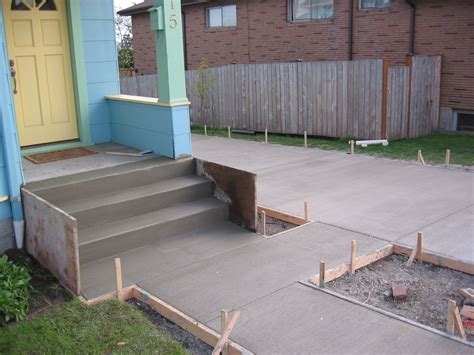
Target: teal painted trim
52	148
166	20
11	147
79	71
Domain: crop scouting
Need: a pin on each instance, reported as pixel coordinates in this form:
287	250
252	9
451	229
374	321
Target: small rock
387	294
399	292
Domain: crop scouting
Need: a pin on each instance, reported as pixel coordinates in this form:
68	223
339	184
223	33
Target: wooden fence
334	99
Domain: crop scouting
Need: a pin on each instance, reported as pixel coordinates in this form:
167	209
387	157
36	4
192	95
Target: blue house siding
11	174
100	57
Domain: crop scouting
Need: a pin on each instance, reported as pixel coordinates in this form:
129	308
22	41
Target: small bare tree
202	86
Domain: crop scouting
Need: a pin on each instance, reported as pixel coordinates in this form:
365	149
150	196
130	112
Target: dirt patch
192	344
428	289
46	292
273	225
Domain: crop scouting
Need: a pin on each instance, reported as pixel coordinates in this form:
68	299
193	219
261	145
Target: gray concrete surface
229	267
34	172
299	320
390	200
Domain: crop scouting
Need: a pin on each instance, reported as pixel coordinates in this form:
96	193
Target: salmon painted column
166	22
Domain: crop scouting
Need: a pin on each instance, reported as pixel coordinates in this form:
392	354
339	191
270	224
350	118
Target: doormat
60	155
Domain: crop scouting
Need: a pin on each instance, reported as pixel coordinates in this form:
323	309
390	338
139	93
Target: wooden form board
283	216
51	237
196	328
199	330
388	250
439	260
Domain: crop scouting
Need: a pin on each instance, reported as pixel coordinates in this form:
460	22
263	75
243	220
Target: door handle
13	75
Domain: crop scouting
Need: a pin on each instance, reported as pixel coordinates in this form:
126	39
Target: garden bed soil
192	344
429	288
273	226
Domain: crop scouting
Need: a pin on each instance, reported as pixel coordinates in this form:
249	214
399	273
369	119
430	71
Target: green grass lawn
433	146
111	326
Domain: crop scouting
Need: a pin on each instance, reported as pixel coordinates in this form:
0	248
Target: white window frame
373	8
222	20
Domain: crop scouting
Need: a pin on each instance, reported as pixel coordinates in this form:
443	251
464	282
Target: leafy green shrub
125	58
14	290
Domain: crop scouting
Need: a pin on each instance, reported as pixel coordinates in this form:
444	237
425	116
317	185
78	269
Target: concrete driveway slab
378	197
452	235
301	320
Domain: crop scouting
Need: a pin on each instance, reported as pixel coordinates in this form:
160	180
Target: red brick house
263	31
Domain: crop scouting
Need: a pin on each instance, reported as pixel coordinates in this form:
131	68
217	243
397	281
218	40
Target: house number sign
173	19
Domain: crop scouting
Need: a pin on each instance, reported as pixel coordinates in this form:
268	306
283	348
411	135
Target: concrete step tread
99	173
132	193
113	228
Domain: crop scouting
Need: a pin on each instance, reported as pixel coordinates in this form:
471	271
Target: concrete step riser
146	235
109	184
142	205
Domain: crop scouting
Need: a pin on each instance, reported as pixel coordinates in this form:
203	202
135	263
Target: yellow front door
40	60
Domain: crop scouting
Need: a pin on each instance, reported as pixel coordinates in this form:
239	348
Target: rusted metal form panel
236	187
51	238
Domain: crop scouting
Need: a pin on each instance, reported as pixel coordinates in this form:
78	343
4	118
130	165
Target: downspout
411	40
350	27
11	149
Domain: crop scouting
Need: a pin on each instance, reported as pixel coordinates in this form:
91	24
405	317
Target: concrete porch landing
35	172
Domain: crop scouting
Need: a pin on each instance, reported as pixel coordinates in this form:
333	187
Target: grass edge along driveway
433	146
110	326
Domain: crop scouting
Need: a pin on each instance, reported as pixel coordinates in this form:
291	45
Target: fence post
409	63
383	134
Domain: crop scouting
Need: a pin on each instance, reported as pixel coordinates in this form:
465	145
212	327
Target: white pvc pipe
384	142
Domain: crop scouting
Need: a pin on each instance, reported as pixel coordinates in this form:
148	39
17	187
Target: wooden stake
420	158
450	321
205	130
458	323
306	140
224	339
264	222
353	256
448	157
118	277
322	271
419	248
224	321
306	216
352	147
266	136
228	132
454	321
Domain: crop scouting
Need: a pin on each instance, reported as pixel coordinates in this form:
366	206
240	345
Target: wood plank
283	216
224	338
199	330
439	260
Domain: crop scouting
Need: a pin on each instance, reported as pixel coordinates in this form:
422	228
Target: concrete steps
137	200
132	205
121	235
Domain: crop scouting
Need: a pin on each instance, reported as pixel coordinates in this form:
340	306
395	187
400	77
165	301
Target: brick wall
264	35
144	44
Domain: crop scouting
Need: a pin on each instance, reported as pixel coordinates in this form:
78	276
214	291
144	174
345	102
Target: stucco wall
100	56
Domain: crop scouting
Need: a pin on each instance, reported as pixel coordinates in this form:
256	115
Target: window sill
322	20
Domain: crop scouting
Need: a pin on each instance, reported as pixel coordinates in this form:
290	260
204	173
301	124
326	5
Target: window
222	16
26	5
312	9
374	4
